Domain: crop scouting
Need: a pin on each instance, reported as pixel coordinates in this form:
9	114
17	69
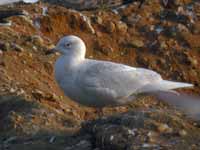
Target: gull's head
71	46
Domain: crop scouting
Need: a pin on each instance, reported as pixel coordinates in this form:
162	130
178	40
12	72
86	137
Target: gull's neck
72	61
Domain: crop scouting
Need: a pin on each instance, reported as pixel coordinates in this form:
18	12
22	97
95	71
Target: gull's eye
67	44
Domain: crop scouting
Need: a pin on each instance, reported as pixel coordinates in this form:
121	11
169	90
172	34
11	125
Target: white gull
103	83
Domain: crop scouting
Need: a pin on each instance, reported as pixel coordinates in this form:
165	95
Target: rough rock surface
34	113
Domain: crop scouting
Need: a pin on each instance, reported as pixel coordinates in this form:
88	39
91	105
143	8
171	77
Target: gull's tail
163	90
164	85
187	103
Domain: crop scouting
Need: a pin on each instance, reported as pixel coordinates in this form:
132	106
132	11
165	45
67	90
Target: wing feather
113	81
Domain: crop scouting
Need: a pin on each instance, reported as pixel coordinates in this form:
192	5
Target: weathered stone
110	27
182	133
98	20
121	27
17	47
164	128
37	40
163	45
137	43
82	145
4	46
132	19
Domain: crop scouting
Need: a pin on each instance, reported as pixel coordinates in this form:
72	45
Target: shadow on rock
20	116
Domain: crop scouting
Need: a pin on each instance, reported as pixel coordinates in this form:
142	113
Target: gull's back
103	83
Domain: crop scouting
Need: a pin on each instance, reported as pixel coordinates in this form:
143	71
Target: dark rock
4	46
97	20
116	132
89	4
4	14
132	19
82	145
110	27
17	47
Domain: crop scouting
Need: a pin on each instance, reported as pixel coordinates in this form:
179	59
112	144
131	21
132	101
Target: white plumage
102	83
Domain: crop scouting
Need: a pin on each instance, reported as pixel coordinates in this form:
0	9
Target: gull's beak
51	51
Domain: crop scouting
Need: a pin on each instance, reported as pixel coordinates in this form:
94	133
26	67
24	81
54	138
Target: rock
182	28
38	94
132	19
137	43
153	137
52	139
121	27
163	45
142	61
98	20
89	4
110	27
17	47
115	132
193	61
28	20
12	90
158	29
147	145
37	40
196	28
87	24
182	133
44	10
48	67
11	139
4	46
78	19
82	145
164	128
106	50
20	92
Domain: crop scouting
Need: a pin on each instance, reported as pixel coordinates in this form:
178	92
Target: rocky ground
35	114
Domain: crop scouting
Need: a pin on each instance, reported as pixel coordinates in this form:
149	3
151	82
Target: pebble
98	20
146	145
37	40
17	47
152	136
82	145
9	140
182	28
110	27
121	27
37	94
12	90
137	43
20	92
159	29
164	128
87	23
182	133
132	19
1	52
163	45
193	60
4	46
44	10
52	139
